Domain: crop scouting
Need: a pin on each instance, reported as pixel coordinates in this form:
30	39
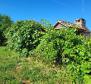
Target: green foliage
16	70
66	48
46	24
8	61
5	23
60	43
63	48
23	36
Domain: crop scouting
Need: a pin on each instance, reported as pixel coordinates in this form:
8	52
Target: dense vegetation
23	36
67	49
5	23
37	53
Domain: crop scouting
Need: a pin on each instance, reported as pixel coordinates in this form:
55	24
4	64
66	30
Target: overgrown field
36	53
16	70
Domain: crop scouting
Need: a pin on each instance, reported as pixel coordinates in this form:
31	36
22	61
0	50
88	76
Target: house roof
68	24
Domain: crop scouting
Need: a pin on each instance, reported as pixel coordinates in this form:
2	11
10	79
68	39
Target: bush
23	36
66	48
5	23
60	44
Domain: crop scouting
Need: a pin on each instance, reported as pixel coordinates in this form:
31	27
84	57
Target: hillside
16	70
19	70
37	53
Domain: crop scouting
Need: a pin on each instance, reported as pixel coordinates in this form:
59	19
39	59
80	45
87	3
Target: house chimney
81	22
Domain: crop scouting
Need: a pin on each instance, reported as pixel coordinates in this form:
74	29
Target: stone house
79	24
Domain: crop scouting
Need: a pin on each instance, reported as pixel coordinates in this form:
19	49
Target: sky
51	10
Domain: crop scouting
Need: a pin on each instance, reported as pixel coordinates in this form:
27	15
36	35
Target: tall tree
5	22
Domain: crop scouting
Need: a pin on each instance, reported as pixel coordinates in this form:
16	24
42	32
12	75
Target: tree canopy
5	22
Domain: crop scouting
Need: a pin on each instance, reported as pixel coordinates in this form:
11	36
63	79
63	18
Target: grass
8	61
15	70
31	70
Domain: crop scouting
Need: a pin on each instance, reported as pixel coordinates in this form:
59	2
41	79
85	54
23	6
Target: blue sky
51	10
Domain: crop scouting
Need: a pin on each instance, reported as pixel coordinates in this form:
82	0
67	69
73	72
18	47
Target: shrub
66	48
5	23
60	44
23	36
